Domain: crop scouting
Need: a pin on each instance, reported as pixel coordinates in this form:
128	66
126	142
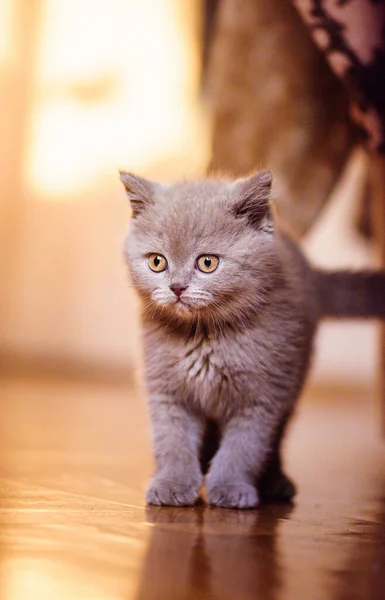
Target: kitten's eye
157	262
207	263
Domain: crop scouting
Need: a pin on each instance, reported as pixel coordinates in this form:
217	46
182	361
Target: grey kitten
230	309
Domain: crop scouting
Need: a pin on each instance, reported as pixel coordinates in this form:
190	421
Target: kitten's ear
140	191
252	199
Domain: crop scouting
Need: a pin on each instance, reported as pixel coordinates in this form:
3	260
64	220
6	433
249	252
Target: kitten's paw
233	495
170	492
277	487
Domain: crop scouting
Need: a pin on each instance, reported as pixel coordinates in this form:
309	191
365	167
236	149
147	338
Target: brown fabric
351	33
276	103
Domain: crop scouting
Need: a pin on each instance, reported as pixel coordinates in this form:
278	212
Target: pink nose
177	289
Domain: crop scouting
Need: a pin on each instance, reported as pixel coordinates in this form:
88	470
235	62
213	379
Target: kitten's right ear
140	191
252	199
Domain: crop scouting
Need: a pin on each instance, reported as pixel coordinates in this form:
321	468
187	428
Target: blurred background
87	88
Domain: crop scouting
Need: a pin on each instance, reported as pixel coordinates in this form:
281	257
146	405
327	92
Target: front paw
233	495
172	492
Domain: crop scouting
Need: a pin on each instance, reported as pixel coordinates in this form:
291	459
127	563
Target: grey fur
237	352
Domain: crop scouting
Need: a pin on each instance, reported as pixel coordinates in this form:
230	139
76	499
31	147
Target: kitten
230	309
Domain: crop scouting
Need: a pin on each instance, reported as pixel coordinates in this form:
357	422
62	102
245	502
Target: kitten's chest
201	361
211	372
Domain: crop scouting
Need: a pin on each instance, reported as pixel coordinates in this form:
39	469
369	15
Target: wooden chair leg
377	176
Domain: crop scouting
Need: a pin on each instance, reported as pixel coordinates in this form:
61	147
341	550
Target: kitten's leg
235	469
274	485
176	440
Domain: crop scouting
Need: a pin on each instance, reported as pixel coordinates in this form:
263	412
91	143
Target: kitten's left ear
140	191
252	199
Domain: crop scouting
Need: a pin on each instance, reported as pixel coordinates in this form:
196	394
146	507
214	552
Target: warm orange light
43	579
116	87
6	29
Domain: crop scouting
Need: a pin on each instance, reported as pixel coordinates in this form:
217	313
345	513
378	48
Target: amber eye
157	262
208	263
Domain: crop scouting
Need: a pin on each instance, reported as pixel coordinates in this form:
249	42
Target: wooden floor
75	463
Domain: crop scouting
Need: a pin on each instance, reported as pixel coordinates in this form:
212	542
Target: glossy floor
75	462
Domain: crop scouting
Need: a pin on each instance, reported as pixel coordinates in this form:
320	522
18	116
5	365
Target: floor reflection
364	570
213	553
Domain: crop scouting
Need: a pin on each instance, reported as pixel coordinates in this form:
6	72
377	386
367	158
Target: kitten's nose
177	289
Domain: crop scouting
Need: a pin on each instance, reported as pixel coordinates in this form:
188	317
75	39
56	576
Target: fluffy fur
226	361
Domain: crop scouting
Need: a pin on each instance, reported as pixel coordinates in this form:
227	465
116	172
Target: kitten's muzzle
178	289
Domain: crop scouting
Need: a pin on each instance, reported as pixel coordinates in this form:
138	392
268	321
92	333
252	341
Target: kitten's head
202	251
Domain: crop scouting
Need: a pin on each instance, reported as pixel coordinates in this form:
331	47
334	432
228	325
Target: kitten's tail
351	294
